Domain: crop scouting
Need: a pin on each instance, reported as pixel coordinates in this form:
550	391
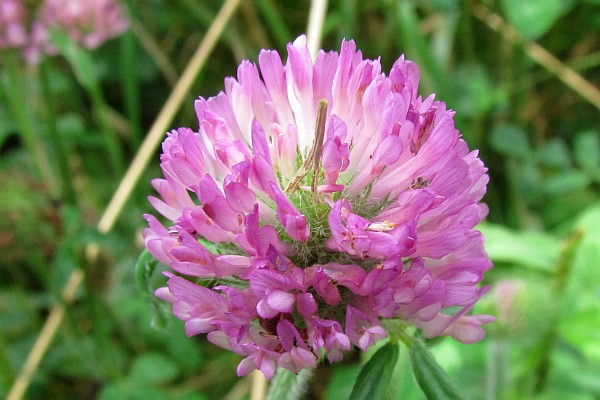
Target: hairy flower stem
542	368
288	385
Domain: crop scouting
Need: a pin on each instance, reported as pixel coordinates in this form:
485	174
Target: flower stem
86	73
49	113
563	269
15	96
496	369
397	331
8	374
131	91
111	141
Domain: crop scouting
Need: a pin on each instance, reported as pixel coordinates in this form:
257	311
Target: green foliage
153	369
6	126
533	18
587	151
511	141
80	60
527	249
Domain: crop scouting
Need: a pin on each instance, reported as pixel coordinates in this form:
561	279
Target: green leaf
153	369
185	352
587	150
475	93
535	250
125	391
148	393
446	6
64	264
533	18
339	385
584	274
113	391
288	386
374	378
144	268
432	379
192	396
510	140
589	221
554	154
7	127
80	60
579	328
566	182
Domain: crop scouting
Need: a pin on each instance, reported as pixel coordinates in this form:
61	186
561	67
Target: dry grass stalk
540	55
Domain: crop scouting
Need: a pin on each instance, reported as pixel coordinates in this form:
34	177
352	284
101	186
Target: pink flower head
335	197
13	31
87	22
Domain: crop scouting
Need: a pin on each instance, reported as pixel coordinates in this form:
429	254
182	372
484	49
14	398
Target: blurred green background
69	128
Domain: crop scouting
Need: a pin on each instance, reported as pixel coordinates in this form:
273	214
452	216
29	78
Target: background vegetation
69	129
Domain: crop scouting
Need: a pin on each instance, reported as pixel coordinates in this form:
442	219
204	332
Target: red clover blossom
88	23
13	33
324	198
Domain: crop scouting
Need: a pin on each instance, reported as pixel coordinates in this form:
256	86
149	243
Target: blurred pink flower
335	197
87	22
13	30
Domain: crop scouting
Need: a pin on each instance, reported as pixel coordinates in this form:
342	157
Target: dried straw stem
115	207
259	386
314	31
540	55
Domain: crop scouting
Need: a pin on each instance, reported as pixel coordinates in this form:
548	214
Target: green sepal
144	269
375	377
432	379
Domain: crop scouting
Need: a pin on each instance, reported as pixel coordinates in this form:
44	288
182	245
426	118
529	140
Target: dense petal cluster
88	23
324	197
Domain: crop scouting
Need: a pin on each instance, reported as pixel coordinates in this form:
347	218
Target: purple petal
281	301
